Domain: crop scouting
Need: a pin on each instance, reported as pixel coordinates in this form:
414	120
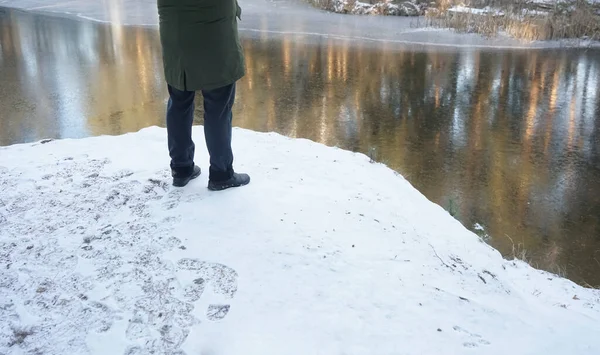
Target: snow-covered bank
324	253
541	20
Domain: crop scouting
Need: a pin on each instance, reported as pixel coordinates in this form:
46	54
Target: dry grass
548	261
573	20
519	252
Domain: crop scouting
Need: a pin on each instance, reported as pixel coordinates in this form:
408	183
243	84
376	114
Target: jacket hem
178	85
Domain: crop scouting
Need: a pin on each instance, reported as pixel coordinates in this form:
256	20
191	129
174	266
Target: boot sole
225	187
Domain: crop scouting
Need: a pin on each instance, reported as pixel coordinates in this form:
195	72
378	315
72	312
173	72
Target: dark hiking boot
181	177
236	180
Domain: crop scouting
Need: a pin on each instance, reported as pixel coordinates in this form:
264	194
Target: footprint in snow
166	309
217	311
221	278
172	199
473	341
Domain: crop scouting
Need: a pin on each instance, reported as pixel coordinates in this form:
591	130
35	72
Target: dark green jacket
200	43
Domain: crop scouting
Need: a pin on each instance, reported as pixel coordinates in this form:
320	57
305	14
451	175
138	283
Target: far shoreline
453	42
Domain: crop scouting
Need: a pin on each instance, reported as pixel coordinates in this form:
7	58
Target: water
509	140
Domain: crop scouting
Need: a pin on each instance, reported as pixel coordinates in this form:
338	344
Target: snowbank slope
324	253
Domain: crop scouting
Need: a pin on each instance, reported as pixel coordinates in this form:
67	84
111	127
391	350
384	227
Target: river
507	140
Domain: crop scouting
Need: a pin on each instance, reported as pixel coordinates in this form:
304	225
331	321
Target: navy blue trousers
217	130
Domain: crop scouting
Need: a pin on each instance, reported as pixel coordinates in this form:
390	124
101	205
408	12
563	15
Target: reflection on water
509	140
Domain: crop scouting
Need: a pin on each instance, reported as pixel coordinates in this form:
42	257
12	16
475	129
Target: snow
406	8
497	12
476	11
324	253
553	2
528	12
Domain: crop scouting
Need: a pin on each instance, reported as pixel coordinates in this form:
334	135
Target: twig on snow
436	254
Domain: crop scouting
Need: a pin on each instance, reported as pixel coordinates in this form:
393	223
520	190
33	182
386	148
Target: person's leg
217	131
180	117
